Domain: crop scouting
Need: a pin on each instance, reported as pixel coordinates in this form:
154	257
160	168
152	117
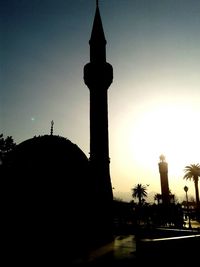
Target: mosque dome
49	168
48	158
46	149
48	192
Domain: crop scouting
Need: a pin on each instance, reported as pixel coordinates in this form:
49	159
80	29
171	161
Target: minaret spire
98	76
97	40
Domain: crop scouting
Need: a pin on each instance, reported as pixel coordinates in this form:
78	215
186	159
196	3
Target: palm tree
192	172
140	192
158	198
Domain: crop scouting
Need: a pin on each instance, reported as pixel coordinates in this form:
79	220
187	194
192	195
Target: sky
153	102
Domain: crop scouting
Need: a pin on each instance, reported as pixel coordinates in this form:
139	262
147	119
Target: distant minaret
163	169
98	76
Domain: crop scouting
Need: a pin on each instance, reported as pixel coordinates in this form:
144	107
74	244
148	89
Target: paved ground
194	224
122	253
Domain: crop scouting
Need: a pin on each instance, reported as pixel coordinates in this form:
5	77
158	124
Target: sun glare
169	129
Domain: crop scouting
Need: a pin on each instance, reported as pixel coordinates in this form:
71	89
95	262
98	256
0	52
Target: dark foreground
161	247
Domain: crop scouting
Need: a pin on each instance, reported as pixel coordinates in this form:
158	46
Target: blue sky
154	47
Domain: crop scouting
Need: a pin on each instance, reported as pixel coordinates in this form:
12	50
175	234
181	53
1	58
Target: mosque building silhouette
60	202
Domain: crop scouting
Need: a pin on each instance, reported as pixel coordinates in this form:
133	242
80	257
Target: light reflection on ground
124	247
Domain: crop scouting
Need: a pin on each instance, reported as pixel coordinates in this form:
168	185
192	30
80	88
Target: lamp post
186	190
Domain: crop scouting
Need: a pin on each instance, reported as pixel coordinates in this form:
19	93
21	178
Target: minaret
98	76
163	169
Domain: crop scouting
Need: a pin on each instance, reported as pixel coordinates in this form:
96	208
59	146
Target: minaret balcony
98	75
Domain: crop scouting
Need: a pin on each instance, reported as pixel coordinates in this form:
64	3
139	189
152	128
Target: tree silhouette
140	192
158	198
192	172
6	145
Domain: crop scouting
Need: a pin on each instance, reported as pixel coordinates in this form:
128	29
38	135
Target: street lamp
186	190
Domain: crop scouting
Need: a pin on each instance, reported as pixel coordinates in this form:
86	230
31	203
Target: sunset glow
170	129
